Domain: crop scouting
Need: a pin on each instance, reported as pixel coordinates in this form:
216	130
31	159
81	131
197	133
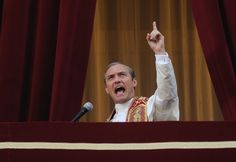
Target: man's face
119	83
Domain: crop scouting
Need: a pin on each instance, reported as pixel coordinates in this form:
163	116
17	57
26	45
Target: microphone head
88	106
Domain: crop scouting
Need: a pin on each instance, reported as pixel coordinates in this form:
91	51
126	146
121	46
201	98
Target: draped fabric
119	31
48	67
44	49
216	23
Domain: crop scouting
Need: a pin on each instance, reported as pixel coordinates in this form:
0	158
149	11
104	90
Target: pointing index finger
154	25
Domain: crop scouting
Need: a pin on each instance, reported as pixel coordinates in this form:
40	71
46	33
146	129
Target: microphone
88	106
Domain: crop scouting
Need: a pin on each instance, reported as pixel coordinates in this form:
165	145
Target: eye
110	77
123	74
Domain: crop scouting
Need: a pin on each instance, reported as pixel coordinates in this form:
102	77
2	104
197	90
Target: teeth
119	88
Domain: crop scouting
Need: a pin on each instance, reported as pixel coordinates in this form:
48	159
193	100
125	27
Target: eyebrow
121	72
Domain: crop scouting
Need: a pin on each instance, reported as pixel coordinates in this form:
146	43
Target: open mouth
119	90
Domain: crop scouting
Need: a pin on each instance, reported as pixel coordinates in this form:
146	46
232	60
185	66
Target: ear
106	90
135	82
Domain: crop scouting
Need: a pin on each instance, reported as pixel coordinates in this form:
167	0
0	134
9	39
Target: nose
117	79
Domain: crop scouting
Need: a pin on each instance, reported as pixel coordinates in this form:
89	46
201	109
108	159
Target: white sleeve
164	104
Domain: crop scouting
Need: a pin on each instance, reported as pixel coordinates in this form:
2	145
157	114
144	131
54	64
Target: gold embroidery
138	110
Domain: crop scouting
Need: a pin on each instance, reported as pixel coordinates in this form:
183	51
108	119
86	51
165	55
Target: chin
120	101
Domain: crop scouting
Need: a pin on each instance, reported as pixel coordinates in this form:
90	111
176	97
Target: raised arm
164	104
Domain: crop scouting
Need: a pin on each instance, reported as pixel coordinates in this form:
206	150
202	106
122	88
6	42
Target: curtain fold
13	51
44	49
73	43
44	58
216	24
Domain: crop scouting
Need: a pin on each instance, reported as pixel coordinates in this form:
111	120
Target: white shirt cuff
162	58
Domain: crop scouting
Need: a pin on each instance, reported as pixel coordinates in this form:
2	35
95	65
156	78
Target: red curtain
44	49
216	23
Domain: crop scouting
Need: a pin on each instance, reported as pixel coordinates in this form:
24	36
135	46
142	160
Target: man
120	84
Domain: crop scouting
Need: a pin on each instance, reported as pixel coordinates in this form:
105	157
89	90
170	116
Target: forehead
117	68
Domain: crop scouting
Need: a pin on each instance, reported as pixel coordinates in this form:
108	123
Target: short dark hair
131	71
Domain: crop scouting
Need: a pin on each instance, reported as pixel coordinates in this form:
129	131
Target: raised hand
156	40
